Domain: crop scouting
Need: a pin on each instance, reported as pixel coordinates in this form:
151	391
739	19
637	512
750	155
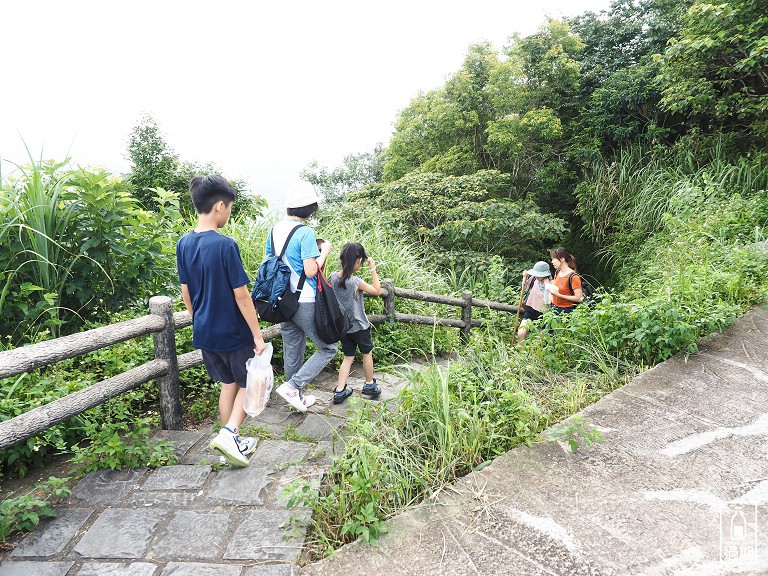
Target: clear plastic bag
258	385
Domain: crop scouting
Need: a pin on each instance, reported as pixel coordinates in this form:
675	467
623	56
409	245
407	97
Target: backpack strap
529	288
570	282
288	239
303	276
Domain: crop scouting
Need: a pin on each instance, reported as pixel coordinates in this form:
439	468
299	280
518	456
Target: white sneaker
225	443
247	444
294	397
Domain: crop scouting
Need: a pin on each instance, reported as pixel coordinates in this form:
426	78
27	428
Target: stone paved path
191	519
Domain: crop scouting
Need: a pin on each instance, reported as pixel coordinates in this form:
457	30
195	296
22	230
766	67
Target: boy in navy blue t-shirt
225	326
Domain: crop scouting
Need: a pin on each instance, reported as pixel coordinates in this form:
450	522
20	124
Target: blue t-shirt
209	264
303	245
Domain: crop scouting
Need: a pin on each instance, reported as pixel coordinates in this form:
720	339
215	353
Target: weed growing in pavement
23	512
122	444
574	430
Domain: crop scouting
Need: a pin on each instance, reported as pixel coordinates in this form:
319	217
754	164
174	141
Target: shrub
122	443
79	246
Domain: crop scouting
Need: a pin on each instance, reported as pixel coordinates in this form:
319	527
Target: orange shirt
562	286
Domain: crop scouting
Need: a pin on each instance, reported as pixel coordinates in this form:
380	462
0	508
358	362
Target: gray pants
295	333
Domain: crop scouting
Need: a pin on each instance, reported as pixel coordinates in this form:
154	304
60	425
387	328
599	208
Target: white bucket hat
540	270
301	194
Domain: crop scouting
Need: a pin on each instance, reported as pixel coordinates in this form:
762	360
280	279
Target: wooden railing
162	323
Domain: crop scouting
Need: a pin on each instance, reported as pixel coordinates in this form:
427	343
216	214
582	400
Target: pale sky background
259	88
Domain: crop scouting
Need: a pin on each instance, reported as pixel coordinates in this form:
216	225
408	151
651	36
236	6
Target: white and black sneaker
226	444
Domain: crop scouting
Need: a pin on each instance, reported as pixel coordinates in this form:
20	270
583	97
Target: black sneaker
371	389
340	395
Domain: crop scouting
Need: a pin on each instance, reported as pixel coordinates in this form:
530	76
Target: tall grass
394	259
448	421
624	202
250	235
403	262
39	218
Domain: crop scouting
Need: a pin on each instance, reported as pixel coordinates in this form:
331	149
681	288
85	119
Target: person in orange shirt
564	299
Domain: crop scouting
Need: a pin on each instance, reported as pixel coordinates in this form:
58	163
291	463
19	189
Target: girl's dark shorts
531	313
360	339
228	367
561	310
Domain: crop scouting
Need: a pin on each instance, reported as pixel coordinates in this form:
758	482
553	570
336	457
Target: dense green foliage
459	221
77	245
689	274
619	90
716	71
548	108
24	511
649	71
131	415
643	128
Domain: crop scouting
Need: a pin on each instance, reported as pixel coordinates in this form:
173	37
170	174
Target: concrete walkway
679	485
195	519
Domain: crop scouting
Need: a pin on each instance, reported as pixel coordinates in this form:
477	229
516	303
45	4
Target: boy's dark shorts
228	367
360	339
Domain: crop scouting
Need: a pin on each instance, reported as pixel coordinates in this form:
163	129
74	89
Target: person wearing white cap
536	296
302	254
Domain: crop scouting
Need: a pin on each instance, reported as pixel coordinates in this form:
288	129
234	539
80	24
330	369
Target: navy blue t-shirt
209	264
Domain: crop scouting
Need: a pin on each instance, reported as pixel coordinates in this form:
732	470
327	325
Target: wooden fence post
165	349
466	315
389	299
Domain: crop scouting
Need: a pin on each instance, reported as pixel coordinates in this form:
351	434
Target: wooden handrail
27	358
165	368
43	417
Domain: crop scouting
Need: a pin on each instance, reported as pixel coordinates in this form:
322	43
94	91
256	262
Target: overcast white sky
259	88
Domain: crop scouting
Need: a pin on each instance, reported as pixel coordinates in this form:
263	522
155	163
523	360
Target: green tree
355	172
534	92
550	63
523	144
155	167
154	164
624	36
461	220
444	129
625	109
620	93
717	69
424	130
